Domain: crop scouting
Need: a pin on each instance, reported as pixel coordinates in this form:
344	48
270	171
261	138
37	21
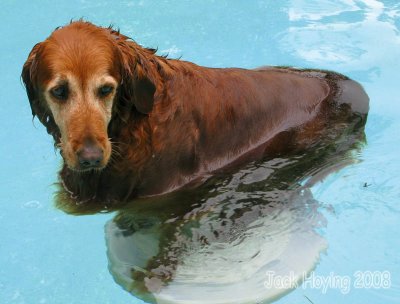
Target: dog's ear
29	77
144	90
137	75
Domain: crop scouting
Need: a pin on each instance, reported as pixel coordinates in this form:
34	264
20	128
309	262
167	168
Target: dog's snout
90	156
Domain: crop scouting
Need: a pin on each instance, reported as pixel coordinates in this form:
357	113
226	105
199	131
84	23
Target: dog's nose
90	156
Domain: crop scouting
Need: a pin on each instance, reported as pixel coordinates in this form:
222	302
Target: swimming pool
47	256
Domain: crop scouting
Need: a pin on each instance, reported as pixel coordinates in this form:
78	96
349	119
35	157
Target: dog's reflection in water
222	242
216	243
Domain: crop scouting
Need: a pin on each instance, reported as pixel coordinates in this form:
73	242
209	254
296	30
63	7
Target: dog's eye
105	90
60	92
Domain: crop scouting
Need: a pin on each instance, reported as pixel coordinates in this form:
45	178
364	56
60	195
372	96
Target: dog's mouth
87	170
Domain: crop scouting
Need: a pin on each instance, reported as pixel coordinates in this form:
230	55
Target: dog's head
78	80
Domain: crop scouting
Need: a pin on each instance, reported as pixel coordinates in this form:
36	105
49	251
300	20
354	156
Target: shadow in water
216	243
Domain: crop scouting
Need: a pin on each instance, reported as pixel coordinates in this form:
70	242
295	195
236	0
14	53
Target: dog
130	123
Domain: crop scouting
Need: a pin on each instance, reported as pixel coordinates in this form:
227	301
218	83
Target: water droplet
32	204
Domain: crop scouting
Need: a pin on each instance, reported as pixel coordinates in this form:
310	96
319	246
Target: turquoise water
47	256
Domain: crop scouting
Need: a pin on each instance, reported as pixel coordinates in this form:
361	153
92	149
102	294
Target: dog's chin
80	170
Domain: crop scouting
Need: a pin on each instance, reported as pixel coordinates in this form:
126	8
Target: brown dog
130	123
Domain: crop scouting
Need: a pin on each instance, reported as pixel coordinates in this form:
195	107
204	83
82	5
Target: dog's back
220	116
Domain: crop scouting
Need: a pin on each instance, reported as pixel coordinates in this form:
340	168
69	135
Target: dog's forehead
80	52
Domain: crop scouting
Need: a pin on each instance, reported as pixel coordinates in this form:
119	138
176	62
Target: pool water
350	217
